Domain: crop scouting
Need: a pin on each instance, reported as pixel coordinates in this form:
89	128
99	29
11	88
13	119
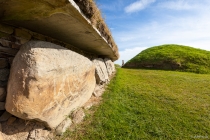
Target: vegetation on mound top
172	57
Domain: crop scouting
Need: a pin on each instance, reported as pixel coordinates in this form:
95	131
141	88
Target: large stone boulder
109	65
101	71
47	82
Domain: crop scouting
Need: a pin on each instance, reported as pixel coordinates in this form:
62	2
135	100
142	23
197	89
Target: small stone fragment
98	91
63	126
11	120
78	116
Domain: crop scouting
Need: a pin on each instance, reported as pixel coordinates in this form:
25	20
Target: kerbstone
101	71
47	82
109	65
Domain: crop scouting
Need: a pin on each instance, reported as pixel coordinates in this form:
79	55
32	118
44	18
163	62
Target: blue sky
140	24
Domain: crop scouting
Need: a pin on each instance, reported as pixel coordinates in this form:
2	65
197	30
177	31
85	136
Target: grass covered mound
172	57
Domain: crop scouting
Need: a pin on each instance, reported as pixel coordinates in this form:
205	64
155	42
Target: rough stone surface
47	82
4	74
109	65
78	116
63	126
5	116
98	91
101	71
38	133
2	94
2	105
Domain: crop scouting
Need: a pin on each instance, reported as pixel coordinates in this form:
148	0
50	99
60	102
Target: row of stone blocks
47	82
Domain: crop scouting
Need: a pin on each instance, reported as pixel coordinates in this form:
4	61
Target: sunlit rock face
47	82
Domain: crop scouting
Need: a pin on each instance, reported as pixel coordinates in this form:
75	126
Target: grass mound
172	57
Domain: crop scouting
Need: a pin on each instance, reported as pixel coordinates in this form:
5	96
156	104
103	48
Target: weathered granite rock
47	82
109	65
38	133
99	90
63	126
101	71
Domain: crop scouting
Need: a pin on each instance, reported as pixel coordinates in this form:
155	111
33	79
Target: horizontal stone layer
61	20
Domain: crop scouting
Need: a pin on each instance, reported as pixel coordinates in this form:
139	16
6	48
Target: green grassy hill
172	57
150	105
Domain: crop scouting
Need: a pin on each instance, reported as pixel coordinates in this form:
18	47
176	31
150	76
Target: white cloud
176	5
138	5
191	30
183	4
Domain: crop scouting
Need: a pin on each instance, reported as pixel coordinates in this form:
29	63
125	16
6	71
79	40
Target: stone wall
12	39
